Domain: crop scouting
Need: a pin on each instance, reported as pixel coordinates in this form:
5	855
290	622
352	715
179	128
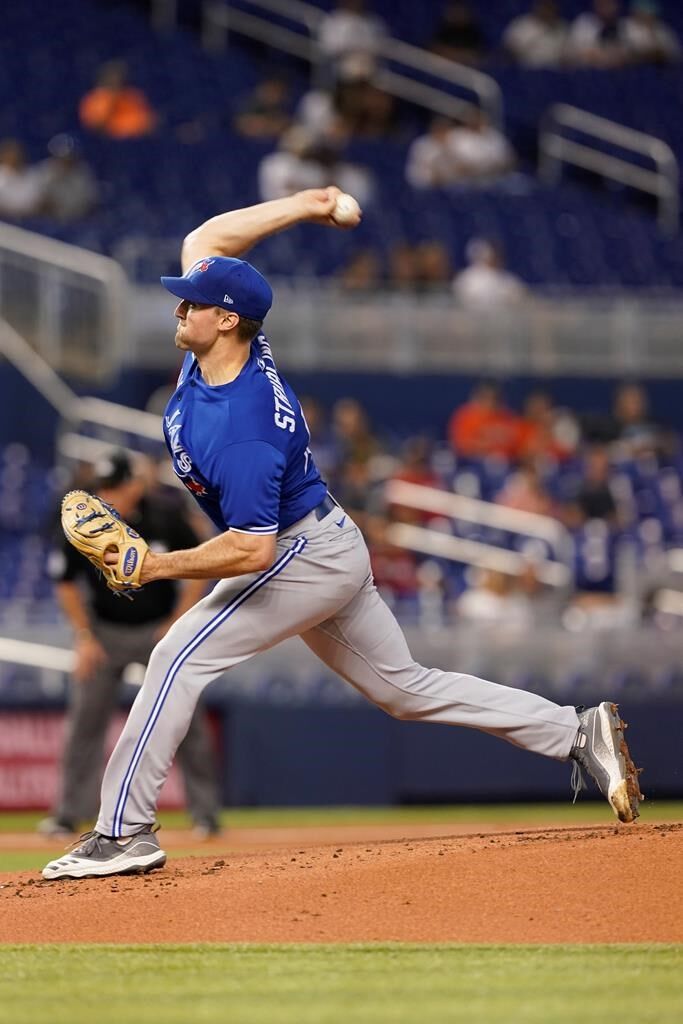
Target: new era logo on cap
227	282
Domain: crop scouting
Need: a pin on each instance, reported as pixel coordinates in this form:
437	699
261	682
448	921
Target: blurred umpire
110	633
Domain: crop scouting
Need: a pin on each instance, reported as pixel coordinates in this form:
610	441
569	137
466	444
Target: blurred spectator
458	36
495	598
485	285
432	265
596	37
545	432
524	490
424	267
21	186
593	497
353	106
70	190
646	37
362	467
414	468
323	444
481	151
634	430
363	272
265	114
629	427
291	167
357	490
115	108
349	29
352	431
431	161
394	569
537	39
317	112
349	177
402	270
483	426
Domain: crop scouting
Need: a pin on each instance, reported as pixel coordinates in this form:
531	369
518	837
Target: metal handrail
120	417
472	552
36	370
482	513
219	18
555	149
60	264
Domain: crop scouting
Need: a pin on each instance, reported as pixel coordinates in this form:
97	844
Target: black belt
325	507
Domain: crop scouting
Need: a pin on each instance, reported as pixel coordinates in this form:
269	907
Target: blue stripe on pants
191	646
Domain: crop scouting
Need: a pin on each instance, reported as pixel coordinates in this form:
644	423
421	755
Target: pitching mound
594	884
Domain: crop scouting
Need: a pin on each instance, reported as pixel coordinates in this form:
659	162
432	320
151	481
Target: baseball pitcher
289	560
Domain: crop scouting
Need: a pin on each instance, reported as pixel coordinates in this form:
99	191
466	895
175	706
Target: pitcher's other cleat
601	750
98	856
56	828
206	828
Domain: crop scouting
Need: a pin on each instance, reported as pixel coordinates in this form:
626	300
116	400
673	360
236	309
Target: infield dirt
593	884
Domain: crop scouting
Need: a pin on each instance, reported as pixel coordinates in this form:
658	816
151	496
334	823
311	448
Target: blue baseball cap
226	282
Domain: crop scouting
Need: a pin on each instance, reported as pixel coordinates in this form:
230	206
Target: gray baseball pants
91	706
320	588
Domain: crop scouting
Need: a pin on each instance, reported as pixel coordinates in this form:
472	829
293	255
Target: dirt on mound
593	884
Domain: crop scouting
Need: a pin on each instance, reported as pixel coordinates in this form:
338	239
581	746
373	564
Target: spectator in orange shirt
483	426
115	108
545	431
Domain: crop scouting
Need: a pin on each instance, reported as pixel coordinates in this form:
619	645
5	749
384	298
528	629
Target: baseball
346	210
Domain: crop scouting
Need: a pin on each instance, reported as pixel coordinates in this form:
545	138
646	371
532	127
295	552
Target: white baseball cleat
98	856
601	750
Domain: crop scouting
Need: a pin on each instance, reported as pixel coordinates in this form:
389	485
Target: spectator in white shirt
596	37
537	39
495	598
349	177
481	151
349	29
431	162
290	168
302	162
69	187
21	186
647	39
485	285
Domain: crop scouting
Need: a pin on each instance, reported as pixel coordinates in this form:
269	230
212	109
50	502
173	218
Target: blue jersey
242	448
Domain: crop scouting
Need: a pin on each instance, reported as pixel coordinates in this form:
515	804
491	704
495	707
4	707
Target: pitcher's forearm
230	554
235	232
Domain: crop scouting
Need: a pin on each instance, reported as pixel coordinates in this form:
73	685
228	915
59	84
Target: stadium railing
555	572
556	149
219	18
68	303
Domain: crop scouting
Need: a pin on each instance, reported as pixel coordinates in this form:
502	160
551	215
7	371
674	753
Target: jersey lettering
288	421
181	459
285	422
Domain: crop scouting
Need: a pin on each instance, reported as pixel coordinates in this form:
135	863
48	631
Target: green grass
586	811
382	984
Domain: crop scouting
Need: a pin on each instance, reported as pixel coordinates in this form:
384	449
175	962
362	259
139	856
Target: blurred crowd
596	497
587	473
311	136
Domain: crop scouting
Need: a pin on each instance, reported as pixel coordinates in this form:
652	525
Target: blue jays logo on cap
226	282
